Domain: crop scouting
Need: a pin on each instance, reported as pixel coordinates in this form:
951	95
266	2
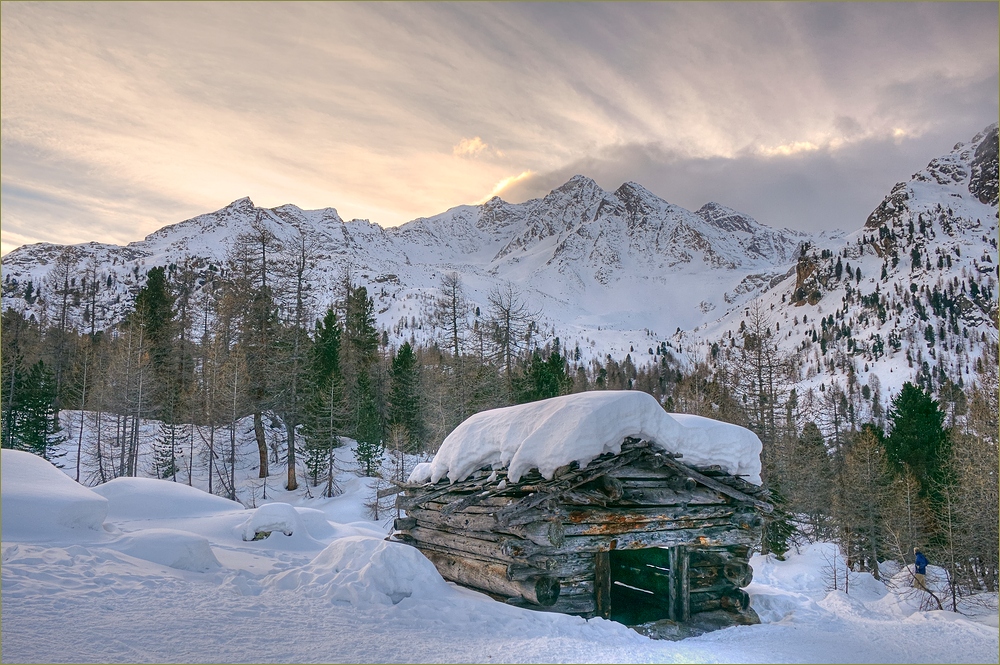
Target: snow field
336	591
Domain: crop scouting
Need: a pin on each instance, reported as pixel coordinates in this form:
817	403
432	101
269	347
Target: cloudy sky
119	118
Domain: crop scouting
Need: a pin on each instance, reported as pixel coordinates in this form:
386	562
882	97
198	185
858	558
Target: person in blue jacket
919	569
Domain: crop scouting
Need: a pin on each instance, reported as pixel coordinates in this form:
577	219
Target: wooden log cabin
635	536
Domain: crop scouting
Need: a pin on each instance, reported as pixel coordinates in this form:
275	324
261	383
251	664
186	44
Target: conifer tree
33	420
367	426
326	410
543	378
918	440
404	397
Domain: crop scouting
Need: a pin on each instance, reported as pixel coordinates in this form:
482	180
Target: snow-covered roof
551	433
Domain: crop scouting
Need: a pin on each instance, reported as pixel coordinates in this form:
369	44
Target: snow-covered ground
142	570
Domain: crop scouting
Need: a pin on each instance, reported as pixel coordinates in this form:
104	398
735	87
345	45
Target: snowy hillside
141	570
911	296
608	271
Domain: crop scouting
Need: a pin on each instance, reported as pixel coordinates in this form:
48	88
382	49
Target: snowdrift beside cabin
551	433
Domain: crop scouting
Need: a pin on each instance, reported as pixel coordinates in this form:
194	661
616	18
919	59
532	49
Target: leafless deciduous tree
511	323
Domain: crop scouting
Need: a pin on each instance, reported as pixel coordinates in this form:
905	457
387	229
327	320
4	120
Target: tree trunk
292	482
258	431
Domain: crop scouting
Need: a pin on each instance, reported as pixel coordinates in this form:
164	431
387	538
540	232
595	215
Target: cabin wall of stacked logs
544	557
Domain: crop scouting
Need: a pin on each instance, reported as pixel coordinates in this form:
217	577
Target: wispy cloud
506	184
475	147
121	117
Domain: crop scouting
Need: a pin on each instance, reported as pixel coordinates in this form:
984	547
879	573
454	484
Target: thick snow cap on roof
551	433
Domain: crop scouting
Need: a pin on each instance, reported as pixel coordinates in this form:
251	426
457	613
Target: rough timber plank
602	584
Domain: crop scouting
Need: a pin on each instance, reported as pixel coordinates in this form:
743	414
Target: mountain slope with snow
912	295
625	262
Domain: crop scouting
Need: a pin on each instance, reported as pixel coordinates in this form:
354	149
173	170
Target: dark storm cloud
810	190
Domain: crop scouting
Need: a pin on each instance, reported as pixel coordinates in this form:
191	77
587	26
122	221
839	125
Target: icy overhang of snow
551	433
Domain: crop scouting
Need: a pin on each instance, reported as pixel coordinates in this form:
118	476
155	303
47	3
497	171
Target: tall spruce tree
326	409
918	440
34	422
367	426
404	397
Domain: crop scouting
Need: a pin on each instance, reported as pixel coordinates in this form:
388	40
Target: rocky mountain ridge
586	257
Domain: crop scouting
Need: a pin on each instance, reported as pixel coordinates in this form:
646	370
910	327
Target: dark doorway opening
642	585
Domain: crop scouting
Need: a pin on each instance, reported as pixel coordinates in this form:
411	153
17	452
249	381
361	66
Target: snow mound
170	547
316	523
40	502
150	498
272	517
364	572
548	434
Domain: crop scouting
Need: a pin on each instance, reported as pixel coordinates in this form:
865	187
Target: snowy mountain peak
727	219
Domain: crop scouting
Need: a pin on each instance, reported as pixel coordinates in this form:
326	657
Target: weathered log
583	497
719	487
718	556
738	572
643	493
708	536
736	600
732	600
681	584
404	523
581	604
747	520
613	528
611	487
547	532
488	505
704	577
643	515
542	590
602	584
490	549
733	573
642	469
563	566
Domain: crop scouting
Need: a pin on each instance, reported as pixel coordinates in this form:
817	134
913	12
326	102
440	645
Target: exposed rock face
983	183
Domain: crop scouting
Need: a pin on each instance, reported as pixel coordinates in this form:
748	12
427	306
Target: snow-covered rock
548	434
272	517
40	502
169	547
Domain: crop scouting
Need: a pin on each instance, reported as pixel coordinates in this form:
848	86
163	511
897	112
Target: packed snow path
144	588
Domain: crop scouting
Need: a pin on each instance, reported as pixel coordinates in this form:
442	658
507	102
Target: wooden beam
540	590
602	584
571	482
717	486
